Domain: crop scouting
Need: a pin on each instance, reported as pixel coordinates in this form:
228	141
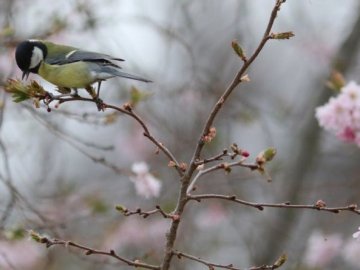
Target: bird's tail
130	76
105	72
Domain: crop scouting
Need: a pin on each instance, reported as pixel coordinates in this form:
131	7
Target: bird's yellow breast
73	75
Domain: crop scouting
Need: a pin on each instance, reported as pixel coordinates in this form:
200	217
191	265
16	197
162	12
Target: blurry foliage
15	233
96	204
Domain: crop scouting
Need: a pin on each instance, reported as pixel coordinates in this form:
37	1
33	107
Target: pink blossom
131	233
357	234
321	249
145	183
351	251
341	115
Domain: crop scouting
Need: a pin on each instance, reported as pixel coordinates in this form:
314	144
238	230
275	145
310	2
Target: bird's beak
25	75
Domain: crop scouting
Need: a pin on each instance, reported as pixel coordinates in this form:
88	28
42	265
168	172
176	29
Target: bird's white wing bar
70	53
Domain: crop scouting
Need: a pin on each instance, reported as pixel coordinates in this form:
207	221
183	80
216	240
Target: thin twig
48	98
128	110
221	166
217	157
126	212
90	251
212	265
320	205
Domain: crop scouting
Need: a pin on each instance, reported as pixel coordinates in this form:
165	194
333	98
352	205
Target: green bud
283	35
269	154
121	208
281	260
238	50
36	236
265	156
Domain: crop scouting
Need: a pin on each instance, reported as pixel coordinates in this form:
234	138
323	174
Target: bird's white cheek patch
36	57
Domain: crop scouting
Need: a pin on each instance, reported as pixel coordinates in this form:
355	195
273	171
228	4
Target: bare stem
212	265
126	212
221	166
260	206
127	109
90	251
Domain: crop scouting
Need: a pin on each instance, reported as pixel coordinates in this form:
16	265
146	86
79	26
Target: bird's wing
67	54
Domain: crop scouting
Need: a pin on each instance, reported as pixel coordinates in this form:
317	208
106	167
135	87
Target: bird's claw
99	104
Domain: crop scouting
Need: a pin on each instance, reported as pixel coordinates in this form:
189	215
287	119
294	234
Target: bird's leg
98	89
91	91
75	94
98	101
66	92
63	90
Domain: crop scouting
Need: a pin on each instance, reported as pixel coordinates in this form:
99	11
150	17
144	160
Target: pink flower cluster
356	235
146	184
341	115
322	250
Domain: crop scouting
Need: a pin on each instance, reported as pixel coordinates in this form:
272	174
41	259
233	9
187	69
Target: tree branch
319	205
126	212
90	251
212	266
236	81
129	111
185	180
222	166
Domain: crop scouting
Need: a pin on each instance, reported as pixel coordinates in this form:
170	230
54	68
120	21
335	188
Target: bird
68	67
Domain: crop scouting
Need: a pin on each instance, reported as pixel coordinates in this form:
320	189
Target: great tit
68	67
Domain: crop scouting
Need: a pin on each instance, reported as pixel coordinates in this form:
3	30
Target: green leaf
19	96
21	92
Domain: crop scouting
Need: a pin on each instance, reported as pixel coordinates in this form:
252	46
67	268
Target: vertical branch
185	180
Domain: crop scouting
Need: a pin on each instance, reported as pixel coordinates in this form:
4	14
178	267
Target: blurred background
63	172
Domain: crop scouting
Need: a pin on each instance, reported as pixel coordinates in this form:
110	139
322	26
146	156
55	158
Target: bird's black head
29	55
